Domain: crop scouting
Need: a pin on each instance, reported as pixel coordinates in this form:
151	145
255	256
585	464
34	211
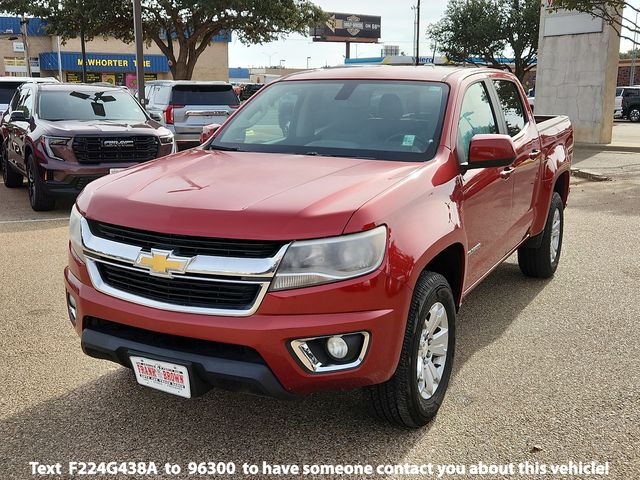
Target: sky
396	29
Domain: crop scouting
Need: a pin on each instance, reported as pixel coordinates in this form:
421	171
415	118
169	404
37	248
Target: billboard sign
348	27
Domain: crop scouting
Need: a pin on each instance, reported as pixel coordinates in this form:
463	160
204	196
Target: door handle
534	154
506	173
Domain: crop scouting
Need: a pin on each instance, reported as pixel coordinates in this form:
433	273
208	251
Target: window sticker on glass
408	140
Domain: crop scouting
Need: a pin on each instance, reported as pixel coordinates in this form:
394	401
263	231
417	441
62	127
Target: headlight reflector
314	262
75	233
56	147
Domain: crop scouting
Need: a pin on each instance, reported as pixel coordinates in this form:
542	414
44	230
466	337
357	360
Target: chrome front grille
204	283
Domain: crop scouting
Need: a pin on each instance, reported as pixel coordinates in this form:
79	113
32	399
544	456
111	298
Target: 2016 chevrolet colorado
324	238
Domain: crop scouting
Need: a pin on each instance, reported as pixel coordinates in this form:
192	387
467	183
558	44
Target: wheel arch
450	263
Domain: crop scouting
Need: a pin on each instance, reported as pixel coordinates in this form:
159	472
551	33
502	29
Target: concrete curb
590	175
609	147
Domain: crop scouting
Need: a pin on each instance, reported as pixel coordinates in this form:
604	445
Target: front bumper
372	304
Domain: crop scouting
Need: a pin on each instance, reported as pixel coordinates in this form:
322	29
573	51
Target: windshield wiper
224	149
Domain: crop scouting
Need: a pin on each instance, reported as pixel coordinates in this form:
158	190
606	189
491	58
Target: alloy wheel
555	236
432	350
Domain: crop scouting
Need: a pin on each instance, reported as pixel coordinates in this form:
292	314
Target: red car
324	238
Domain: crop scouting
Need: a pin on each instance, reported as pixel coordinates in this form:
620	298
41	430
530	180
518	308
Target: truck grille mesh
180	291
184	245
133	149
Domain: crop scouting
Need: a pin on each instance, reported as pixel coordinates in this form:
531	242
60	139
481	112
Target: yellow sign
162	263
108	62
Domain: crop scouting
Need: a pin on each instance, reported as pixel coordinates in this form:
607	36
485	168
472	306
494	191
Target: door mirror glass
18	116
208	131
491	150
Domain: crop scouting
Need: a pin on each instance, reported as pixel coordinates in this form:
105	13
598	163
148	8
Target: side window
476	116
15	100
25	103
511	104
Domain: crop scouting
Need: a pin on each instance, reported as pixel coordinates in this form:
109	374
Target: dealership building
108	60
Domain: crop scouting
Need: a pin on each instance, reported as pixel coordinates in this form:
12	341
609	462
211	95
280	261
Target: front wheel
542	262
40	200
413	395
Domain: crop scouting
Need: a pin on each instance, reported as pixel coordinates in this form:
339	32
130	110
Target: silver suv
185	107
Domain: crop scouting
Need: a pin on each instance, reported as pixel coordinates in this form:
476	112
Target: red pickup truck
324	238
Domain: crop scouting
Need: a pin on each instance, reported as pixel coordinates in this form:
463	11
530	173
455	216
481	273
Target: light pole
634	54
415	29
418	33
269	55
137	29
308	58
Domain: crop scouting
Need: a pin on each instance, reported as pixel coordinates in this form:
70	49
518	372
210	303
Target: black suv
631	103
62	136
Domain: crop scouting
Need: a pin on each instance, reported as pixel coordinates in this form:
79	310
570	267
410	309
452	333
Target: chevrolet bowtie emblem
162	263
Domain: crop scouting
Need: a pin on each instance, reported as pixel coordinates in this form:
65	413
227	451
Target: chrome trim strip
313	365
201	264
105	288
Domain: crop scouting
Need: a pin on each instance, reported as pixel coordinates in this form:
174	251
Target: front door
487	192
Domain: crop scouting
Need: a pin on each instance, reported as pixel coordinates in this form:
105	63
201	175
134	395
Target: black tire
10	177
38	197
538	262
398	401
634	115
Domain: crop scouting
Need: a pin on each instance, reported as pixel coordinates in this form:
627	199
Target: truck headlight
313	262
56	147
75	232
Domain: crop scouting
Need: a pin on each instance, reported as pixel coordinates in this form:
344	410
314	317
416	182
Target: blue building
108	60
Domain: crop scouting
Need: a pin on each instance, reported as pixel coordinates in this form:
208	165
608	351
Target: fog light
337	347
71	307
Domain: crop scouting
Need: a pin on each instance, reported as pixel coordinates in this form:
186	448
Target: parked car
63	136
632	97
184	107
249	89
333	253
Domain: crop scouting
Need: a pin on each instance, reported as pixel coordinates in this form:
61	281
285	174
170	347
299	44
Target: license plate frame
165	376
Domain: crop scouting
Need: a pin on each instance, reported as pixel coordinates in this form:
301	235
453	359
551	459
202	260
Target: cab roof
429	73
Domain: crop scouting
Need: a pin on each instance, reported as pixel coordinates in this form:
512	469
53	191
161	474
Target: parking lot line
33	220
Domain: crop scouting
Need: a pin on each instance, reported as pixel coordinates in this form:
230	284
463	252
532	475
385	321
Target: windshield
387	120
87	105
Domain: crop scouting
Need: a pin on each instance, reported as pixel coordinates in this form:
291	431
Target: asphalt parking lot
546	371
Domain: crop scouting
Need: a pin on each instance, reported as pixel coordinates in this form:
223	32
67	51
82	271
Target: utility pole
83	50
59	61
25	43
415	29
634	54
418	33
137	29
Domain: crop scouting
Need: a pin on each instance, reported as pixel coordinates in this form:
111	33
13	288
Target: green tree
622	15
85	19
182	29
490	30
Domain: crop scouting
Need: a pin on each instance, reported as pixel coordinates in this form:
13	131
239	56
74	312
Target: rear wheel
38	197
412	397
10	177
634	115
542	262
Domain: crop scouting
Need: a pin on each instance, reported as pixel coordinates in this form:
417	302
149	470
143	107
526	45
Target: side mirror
155	116
491	150
208	131
17	116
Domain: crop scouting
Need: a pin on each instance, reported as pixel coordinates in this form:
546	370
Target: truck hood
103	127
260	196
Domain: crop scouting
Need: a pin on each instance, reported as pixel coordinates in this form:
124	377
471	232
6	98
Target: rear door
525	169
197	105
487	193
